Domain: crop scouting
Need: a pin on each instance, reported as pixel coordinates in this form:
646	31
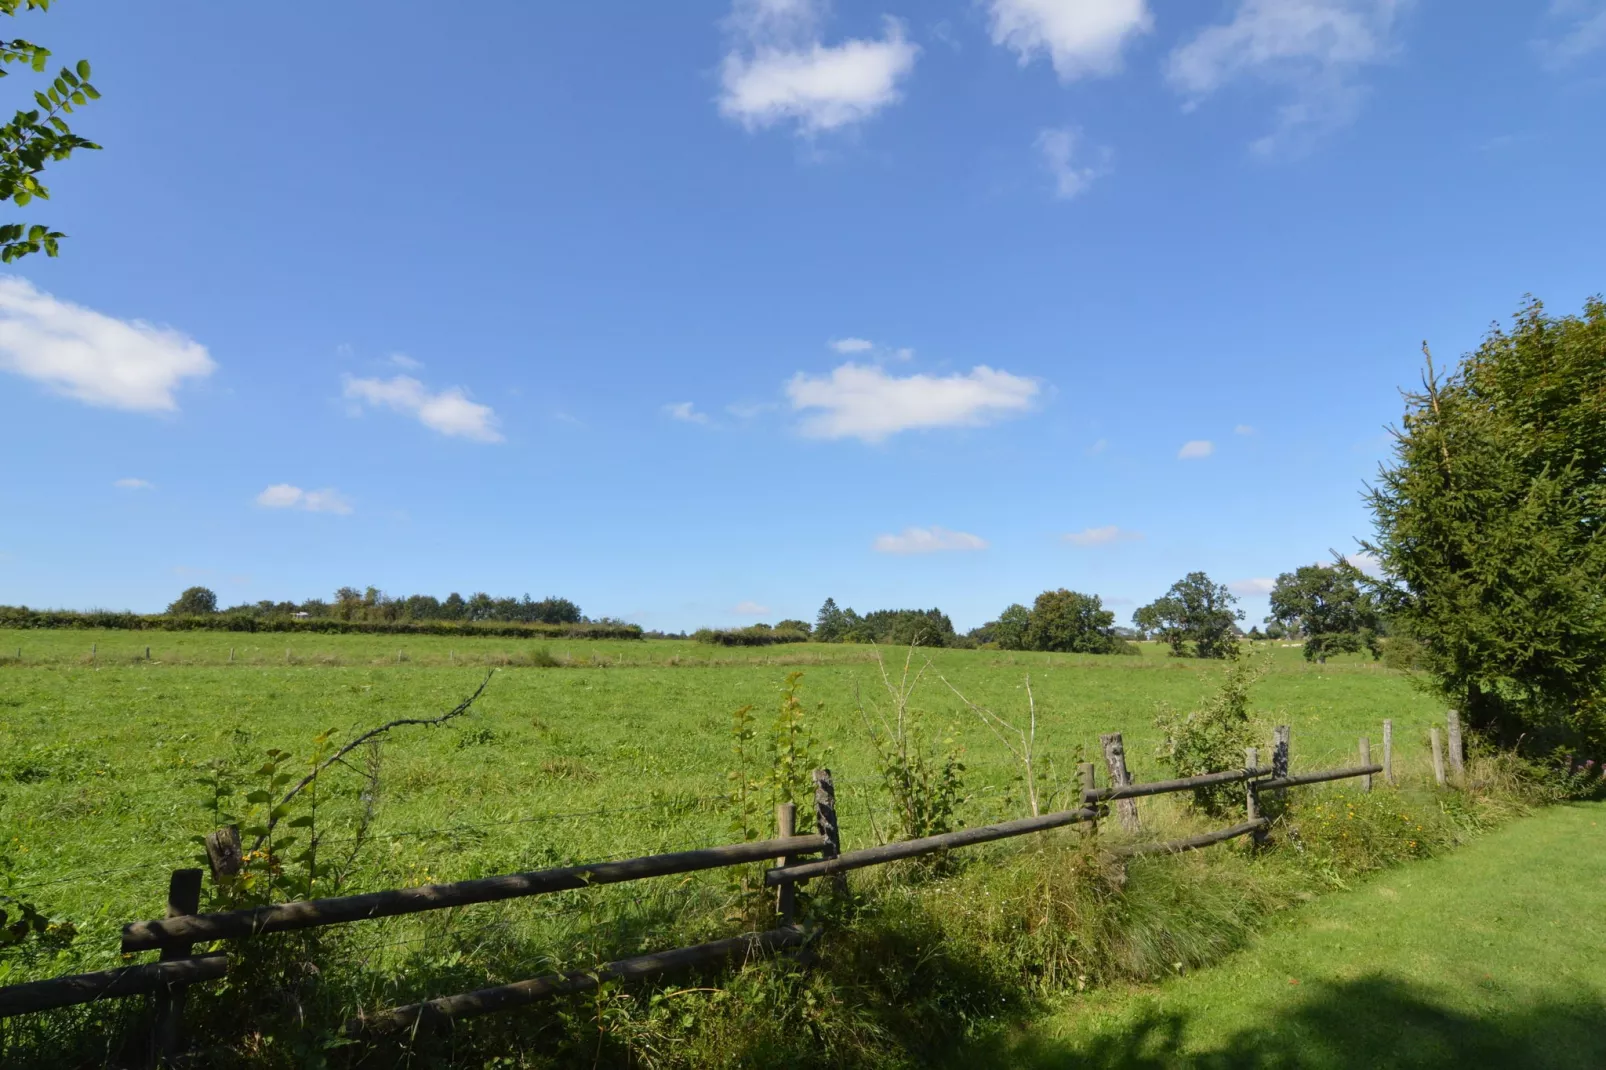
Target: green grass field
98	757
1492	956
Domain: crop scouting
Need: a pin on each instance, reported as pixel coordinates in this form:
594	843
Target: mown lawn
1492	956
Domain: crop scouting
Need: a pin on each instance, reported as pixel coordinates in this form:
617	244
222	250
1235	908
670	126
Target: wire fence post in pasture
183	899
1458	754
147	653
825	822
1251	795
1388	752
1366	760
231	655
1089	783
785	894
1281	743
1438	756
1115	761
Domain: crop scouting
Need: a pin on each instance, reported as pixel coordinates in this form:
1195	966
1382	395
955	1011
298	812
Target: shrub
1213	737
753	635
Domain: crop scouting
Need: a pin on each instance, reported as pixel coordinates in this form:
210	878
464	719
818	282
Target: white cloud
779	70
1198	449
402	360
450	411
1314	48
850	345
1080	37
1584	31
1243	429
685	410
91	357
134	484
864	402
928	541
1058	147
286	496
1252	588
1366	562
750	609
1102	536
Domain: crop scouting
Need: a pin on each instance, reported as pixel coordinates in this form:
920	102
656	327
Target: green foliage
194	602
794	753
1070	622
1325	605
36	137
1212	738
923	777
898	627
1489	524
229	621
1194	610
753	635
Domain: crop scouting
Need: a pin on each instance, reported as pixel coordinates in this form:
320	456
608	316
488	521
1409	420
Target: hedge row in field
749	636
23	617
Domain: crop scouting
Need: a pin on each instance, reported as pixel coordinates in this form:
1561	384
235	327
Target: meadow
577	751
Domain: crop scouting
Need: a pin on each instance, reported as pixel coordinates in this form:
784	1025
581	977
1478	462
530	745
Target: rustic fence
178	965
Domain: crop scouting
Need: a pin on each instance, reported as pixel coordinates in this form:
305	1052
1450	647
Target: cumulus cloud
1102	536
287	496
851	345
780	70
864	402
1195	450
685	410
1080	37
1579	30
750	609
1253	587
134	484
449	411
91	357
1058	147
928	541
402	360
1314	49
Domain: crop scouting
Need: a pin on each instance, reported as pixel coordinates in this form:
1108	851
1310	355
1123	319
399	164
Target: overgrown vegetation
1214	736
23	617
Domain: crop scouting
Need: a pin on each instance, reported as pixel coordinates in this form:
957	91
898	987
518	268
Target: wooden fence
179	966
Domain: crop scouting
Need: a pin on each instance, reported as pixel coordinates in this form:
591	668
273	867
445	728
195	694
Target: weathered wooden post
825	821
1115	762
785	894
231	655
183	899
1366	760
1388	752
1089	783
223	853
1438	756
1458	754
147	653
1251	798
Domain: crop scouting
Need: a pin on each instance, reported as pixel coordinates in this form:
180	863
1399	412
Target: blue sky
698	314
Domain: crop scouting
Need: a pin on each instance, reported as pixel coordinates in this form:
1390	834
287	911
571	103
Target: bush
1213	738
754	635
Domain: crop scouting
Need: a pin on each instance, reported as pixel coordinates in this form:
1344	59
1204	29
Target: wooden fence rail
174	935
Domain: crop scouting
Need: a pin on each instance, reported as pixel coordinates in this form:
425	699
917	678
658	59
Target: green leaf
23	197
259	796
302	822
83	69
44	101
90	91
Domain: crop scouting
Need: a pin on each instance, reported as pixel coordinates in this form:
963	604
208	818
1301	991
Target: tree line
375	606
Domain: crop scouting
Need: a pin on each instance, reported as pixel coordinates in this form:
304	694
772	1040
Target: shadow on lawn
1371	1022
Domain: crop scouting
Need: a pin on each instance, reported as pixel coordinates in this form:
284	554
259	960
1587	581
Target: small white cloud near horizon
1253	587
449	412
851	345
91	357
862	401
132	483
779	69
750	609
1195	450
927	541
1243	429
1103	536
1081	38
1316	49
686	412
289	496
1058	147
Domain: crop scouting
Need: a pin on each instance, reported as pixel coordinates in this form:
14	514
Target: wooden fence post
1366	759
1388	752
147	653
183	899
1115	761
825	822
1458	754
1089	782
1251	799
785	894
1438	756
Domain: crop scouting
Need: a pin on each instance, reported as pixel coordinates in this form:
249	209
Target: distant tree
1070	622
454	608
194	602
794	626
905	627
1275	629
1255	634
1489	530
1146	621
831	624
1194	610
1012	626
1329	608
